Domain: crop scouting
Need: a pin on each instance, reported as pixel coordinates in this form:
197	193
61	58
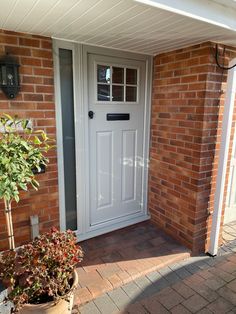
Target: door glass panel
131	76
117	75
68	131
121	87
131	93
117	93
103	74
103	92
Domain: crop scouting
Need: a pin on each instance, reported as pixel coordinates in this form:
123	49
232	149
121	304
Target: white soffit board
144	26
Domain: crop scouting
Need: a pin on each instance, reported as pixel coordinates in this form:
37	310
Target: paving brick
136	308
89	308
132	290
82	295
215	283
154	306
228	294
193	269
225	276
202	263
124	276
87	278
232	285
161	283
108	270
105	305
115	281
169	275
180	309
143	282
144	245
149	291
164	271
99	287
183	273
220	306
212	261
206	274
205	311
172	278
193	280
233	311
175	266
120	298
169	298
228	267
231	258
206	292
112	257
153	276
183	290
195	303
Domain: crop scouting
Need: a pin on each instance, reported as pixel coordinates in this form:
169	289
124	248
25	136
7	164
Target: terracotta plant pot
64	306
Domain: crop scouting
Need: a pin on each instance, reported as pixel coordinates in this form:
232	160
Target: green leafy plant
21	152
42	270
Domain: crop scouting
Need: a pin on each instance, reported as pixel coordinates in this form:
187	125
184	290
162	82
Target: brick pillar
185	134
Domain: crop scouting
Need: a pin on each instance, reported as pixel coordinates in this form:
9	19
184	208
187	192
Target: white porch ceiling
122	24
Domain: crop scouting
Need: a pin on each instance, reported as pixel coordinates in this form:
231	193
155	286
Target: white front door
230	210
116	99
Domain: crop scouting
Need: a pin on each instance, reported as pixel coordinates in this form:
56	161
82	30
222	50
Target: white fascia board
203	10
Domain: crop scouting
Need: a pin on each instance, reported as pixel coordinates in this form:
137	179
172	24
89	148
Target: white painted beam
207	11
223	159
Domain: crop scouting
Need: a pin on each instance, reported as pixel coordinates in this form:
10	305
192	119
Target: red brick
33	97
42	53
18	51
24	41
12	40
43	71
31	61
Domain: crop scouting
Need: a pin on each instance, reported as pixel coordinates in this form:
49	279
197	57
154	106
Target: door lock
91	114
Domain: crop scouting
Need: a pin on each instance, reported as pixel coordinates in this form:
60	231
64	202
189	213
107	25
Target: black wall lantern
9	76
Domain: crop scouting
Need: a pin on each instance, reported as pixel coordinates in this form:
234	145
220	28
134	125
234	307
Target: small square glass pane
103	92
131	76
103	74
117	93
117	75
131	93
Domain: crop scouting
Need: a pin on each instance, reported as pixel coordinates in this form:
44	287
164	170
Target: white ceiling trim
141	26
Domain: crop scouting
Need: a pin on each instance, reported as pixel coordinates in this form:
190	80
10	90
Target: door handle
91	114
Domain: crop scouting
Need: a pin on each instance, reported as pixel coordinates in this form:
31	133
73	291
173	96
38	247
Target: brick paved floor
119	257
200	284
229	234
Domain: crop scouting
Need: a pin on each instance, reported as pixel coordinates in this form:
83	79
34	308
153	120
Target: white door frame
229	196
80	81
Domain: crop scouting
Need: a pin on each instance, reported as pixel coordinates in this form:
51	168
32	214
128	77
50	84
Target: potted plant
41	275
22	150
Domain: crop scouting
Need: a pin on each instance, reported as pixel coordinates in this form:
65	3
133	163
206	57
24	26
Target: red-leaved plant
42	270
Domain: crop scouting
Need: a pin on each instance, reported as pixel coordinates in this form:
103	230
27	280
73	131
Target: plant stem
9	224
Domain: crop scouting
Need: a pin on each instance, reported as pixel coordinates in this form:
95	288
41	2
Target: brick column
186	126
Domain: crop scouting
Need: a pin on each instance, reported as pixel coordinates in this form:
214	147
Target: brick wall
227	54
35	101
187	112
187	109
